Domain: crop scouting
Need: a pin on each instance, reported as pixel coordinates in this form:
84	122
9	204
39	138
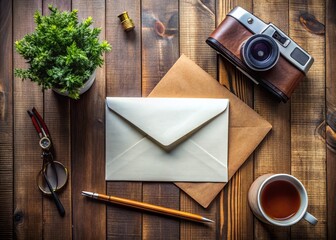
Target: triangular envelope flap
167	119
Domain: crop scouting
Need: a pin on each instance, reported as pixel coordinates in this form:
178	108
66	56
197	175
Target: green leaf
62	52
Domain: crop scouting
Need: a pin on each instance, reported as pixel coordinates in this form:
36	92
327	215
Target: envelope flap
246	127
167	120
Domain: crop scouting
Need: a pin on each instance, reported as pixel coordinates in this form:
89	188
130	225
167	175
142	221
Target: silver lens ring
260	52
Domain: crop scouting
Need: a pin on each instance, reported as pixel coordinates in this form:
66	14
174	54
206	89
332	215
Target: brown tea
280	200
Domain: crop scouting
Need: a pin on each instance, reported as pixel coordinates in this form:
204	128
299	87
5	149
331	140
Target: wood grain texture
6	120
123	222
123	78
57	118
191	230
308	110
236	217
197	21
159	52
331	109
158	226
274	155
160	46
27	161
88	138
123	63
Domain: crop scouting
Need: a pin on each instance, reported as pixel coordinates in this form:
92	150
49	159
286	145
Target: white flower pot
83	89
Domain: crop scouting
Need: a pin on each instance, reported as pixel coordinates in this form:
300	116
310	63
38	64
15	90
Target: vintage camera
261	51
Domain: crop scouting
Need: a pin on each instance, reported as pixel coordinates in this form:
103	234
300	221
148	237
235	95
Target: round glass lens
261	50
57	181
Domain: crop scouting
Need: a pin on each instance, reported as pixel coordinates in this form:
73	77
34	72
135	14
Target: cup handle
310	218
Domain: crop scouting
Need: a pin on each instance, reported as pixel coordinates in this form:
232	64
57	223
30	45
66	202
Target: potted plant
62	53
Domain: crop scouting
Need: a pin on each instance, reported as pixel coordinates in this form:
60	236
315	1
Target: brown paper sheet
246	128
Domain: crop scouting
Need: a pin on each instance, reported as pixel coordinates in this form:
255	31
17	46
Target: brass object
126	22
57	181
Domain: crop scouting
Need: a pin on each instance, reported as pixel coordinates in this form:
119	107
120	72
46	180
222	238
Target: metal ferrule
90	194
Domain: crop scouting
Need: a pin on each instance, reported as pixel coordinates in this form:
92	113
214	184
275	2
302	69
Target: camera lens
260	52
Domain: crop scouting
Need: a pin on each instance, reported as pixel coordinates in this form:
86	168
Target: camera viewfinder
300	56
284	41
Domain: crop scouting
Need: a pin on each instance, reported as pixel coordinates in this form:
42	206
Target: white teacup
255	201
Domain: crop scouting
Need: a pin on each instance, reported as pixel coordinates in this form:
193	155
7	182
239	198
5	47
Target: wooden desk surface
139	59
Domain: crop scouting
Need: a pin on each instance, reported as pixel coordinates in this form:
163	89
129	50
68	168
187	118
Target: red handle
40	119
36	125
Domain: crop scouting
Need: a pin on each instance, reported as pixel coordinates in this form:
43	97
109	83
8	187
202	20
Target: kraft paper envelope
166	139
246	128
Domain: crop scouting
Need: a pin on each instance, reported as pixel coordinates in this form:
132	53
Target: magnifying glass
57	182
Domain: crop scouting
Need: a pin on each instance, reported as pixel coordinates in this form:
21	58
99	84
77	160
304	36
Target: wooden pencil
148	207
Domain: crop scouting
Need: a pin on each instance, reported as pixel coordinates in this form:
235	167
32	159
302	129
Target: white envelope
167	139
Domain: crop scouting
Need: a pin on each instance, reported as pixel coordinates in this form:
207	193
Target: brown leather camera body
228	38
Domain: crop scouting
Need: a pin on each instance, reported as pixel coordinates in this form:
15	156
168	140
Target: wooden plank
308	109
236	217
27	162
88	138
123	78
191	230
159	41
57	117
273	156
331	111
6	120
122	222
158	226
159	53
123	71
197	21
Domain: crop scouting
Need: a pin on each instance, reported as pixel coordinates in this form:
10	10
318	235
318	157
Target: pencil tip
87	194
207	220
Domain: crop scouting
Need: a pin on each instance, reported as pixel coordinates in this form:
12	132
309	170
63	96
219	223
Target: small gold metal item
126	22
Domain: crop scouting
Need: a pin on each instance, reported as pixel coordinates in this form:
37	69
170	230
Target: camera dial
260	52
